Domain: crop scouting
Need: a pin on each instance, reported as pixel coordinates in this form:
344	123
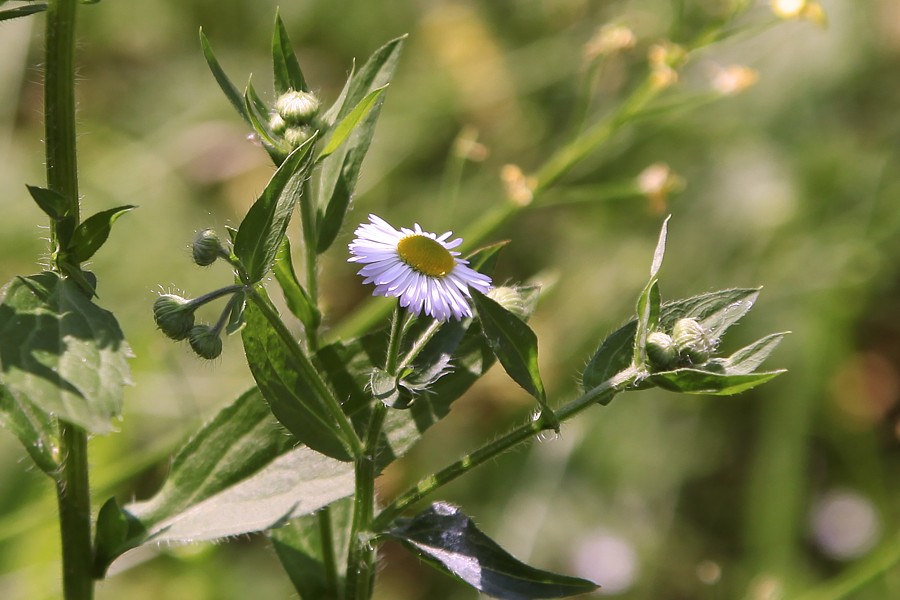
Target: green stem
310	373
74	500
602	392
329	562
215	294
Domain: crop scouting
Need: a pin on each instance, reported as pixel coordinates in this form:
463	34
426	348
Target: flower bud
205	341
509	298
691	341
206	247
297	108
277	124
295	136
173	316
661	350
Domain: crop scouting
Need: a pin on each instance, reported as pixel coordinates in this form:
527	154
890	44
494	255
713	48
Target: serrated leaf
288	75
93	232
299	548
715	309
515	346
286	378
260	233
22	11
698	381
228	88
295	296
34	428
345	127
448	540
54	204
62	353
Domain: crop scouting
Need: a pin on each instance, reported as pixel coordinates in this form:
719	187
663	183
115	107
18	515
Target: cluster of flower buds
174	315
688	344
294	116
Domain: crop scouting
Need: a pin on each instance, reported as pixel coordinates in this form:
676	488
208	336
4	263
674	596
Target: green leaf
92	233
61	353
449	541
285	377
340	168
256	114
54	204
484	259
298	301
515	346
34	428
715	311
299	548
386	390
117	532
228	88
699	381
236	313
330	223
649	301
747	359
260	233
22	11
288	75
342	130
335	109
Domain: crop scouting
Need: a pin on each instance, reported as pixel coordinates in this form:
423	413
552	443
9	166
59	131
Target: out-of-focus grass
793	185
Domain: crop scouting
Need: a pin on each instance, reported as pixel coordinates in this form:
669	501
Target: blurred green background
793	185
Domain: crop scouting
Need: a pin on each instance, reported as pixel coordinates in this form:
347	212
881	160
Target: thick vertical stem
72	484
73	497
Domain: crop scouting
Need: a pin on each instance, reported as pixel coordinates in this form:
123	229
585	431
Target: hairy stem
329	562
74	500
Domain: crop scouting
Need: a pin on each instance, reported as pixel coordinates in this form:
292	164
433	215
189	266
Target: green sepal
298	546
93	232
54	204
117	532
260	233
295	296
62	353
285	378
515	346
231	92
286	68
716	311
22	11
445	538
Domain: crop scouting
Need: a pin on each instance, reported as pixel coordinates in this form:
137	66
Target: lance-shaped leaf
716	311
93	232
290	384
256	112
117	531
340	168
34	428
515	346
649	301
345	127
448	540
296	297
299	548
228	88
54	204
286	68
22	11
61	353
262	230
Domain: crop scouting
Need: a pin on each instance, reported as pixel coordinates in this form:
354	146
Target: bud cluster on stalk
688	344
295	115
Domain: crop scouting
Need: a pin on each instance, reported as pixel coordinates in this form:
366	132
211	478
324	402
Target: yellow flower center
425	255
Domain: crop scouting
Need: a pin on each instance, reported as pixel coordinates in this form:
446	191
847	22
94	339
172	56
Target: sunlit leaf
34	428
288	75
345	127
93	232
448	540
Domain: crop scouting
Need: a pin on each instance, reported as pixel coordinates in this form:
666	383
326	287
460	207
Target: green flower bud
173	316
205	341
297	108
691	341
509	298
277	124
295	136
206	247
661	351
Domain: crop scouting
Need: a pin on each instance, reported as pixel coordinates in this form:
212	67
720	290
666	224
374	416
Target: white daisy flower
417	267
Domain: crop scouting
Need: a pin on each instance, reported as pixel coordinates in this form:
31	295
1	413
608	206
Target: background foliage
792	185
